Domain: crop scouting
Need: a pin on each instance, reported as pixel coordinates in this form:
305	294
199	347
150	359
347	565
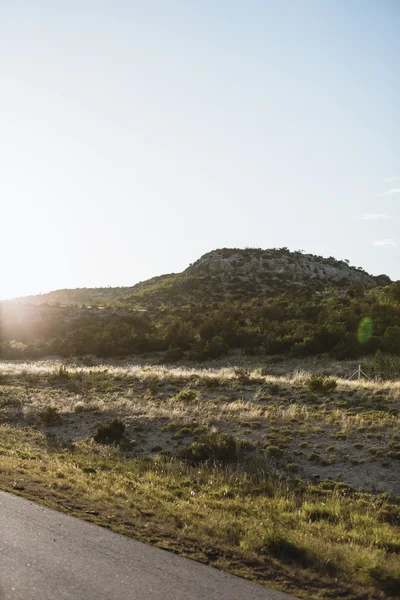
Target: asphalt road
47	555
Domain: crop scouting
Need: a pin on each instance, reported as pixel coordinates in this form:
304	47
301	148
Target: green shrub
274	451
111	432
242	374
213	447
49	415
390	513
60	374
186	395
3	378
394	454
10	401
318	384
383	366
213	382
215	348
321	513
314	457
292	467
172	355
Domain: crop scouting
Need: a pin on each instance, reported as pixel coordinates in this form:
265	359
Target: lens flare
365	330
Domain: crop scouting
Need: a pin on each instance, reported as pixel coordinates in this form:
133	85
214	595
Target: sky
137	136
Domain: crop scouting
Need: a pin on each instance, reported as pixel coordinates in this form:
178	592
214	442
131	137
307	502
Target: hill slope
223	275
253	302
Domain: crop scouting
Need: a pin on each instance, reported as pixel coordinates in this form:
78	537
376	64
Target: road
48	555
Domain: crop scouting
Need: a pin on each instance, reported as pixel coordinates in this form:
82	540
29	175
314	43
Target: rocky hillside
279	264
251	302
235	274
223	275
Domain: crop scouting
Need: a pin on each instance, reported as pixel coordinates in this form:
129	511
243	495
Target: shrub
172	355
394	454
292	467
390	513
49	416
215	348
274	451
320	384
243	374
321	513
3	378
186	395
111	432
60	374
314	457
10	401
213	447
274	388
384	367
213	382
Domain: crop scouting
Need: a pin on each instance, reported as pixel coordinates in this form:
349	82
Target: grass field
289	481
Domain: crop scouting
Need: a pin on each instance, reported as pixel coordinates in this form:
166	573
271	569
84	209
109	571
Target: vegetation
252	301
349	323
316	541
111	432
214	447
318	384
291	487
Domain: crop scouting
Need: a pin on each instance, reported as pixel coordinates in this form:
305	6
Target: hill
229	302
223	275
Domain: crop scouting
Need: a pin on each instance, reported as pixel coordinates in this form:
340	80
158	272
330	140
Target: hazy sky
136	136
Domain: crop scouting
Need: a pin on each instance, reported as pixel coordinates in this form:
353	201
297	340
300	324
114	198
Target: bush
321	513
186	395
3	378
215	348
111	432
172	355
49	416
60	374
274	451
242	374
383	366
213	447
320	384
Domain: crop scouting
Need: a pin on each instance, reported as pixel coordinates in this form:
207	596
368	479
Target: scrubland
290	481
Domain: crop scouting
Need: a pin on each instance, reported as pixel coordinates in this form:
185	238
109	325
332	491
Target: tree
391	339
394	291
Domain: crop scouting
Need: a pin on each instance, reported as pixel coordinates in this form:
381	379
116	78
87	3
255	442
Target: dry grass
315	542
302	509
359	418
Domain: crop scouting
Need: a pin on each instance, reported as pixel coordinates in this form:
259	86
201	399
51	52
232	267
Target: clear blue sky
136	136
